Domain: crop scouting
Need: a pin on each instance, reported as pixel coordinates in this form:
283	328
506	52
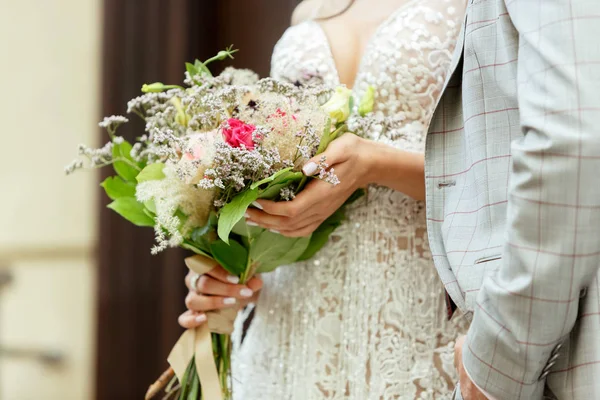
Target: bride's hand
350	157
214	291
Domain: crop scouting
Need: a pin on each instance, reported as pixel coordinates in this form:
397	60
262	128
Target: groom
513	198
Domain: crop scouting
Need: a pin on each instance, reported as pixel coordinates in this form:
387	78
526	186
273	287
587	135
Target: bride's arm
397	169
357	163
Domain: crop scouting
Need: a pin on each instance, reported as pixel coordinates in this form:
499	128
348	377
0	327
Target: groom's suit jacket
513	195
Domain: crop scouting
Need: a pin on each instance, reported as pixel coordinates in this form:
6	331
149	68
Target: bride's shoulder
306	11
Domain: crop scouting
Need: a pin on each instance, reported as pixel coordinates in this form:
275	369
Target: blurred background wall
85	311
50	71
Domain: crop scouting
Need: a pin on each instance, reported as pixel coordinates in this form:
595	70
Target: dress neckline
370	42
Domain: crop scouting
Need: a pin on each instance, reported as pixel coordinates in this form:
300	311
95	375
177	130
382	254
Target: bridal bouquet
209	151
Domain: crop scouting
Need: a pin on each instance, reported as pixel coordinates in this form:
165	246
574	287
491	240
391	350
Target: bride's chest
405	59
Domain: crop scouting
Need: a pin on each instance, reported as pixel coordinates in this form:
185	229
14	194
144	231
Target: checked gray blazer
513	195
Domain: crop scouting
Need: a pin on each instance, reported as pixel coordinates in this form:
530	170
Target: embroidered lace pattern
365	319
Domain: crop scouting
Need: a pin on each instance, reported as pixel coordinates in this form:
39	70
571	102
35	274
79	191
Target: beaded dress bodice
365	319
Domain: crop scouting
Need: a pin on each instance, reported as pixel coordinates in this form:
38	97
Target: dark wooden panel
253	26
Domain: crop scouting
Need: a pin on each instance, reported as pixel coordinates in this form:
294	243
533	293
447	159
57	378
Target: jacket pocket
485	259
471	278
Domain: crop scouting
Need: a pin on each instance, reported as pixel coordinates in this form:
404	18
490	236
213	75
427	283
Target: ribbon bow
197	342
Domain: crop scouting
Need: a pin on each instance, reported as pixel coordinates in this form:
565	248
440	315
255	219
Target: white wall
50	70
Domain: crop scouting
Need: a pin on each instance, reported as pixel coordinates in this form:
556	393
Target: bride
366	318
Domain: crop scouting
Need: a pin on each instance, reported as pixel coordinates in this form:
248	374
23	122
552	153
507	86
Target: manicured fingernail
229	301
201	318
250	223
233	279
310	169
246	292
274	231
257	205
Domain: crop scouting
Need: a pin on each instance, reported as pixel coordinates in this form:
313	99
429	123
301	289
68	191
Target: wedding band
194	283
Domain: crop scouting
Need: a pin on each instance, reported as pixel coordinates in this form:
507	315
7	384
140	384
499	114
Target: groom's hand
468	389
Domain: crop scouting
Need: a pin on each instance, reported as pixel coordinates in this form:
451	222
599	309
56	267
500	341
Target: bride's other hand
214	291
357	163
349	157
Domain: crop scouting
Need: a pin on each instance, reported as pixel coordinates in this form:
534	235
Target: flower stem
119	159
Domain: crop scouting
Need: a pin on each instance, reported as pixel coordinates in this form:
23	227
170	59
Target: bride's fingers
299	226
271	221
255	283
209	285
302	232
282	223
201	303
218	273
300	206
191	319
221	274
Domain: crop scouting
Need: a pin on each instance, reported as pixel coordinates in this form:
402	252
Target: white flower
338	106
113	121
171	195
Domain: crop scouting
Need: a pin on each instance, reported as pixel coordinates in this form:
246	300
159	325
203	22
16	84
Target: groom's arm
552	248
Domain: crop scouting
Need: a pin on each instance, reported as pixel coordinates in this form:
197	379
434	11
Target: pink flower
279	113
238	133
196	154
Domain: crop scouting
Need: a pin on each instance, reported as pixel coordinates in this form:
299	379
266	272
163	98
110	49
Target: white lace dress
366	318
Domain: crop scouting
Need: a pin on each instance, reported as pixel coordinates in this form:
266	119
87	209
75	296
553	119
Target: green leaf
233	211
271	250
149	213
152	172
233	256
355	196
132	210
202	237
125	169
325	137
302	184
189	246
271	178
342	129
298	248
190	373
191	69
245	230
367	102
321	235
271	192
115	188
150	206
201	68
193	395
200	232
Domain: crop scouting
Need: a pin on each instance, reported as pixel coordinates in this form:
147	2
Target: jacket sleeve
552	245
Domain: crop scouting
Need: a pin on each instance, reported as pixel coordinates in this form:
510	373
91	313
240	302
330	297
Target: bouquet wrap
197	343
209	152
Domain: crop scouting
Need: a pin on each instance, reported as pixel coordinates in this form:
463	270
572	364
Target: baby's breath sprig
112	123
